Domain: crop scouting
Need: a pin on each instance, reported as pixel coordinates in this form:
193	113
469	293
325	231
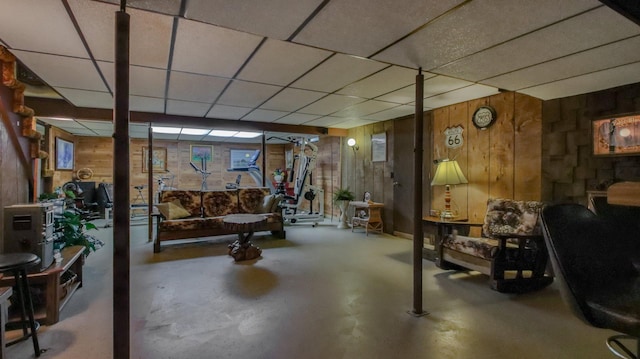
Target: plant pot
343	205
278	178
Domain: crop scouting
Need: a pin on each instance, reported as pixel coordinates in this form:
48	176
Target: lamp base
447	214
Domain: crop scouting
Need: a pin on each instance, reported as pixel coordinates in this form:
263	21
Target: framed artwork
201	154
616	136
64	154
379	147
288	157
158	161
242	158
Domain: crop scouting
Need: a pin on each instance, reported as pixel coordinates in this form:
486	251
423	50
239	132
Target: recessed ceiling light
171	130
222	133
247	134
194	131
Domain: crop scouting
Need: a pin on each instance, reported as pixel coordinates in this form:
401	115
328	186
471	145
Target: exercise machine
254	171
304	188
203	172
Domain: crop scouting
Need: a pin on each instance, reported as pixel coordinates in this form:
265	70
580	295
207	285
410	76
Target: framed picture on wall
616	136
64	154
379	147
158	161
288	157
201	154
242	158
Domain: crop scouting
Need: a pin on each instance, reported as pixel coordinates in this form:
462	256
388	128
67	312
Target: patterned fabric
182	224
504	216
190	200
219	203
514	217
250	199
213	222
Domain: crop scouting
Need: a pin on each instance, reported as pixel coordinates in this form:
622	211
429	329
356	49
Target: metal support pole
264	160
150	185
121	209
418	237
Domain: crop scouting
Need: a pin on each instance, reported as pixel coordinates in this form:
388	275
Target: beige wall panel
528	145
501	149
441	120
477	166
458	116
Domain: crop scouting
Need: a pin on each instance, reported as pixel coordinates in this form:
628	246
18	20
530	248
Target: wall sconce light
352	143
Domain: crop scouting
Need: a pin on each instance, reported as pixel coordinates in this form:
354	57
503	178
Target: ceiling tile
146	104
401	96
169	7
80	98
247	94
281	62
60	123
395	112
274	18
150	38
355	26
326	121
292	99
49	30
364	108
186	108
264	115
165	136
337	72
63	71
439	84
104	133
353	123
143	81
98	125
385	81
296	118
330	104
596	81
584	62
228	112
591	29
475	26
211	50
460	95
192	87
83	132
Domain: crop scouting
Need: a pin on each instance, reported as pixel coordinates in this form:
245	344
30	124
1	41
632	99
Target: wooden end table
244	224
444	227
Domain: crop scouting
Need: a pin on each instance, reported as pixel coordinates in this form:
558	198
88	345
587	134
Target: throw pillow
276	202
173	210
267	203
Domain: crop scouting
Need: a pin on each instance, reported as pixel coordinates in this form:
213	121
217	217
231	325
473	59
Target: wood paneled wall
502	161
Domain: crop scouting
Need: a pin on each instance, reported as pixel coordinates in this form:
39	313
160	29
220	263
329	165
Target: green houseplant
70	228
341	198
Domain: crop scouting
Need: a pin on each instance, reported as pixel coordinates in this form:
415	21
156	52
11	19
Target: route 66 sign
453	137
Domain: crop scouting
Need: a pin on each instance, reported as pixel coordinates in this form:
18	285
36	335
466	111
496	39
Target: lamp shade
448	172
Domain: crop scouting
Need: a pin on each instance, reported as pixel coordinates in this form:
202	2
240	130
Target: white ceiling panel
49	28
475	26
600	80
337	72
228	112
211	50
395	112
192	87
353	123
98	125
65	125
104	133
150	39
584	62
354	26
84	132
460	95
292	99
591	29
260	115
297	119
247	94
402	96
63	71
165	136
364	108
280	62
143	81
80	98
393	77
439	84
146	104
326	121
187	108
330	104
274	18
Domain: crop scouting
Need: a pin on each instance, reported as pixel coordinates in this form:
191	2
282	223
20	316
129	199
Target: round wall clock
484	117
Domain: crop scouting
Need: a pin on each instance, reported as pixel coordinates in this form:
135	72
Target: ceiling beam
47	107
627	8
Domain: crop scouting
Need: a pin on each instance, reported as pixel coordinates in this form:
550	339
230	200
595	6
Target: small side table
372	220
244	225
5	293
445	227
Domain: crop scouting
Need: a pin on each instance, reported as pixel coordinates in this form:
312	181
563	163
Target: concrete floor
321	293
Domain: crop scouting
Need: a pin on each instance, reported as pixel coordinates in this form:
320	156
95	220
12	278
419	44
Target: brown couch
194	214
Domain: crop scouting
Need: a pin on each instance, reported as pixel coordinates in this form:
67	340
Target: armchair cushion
190	200
505	216
219	203
173	210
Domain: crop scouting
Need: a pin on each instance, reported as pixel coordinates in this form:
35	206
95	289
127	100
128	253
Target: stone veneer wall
568	167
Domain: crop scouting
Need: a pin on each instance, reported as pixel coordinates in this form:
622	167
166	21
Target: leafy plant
71	226
342	194
47	196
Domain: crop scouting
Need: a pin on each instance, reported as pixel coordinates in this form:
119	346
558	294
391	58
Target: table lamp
448	173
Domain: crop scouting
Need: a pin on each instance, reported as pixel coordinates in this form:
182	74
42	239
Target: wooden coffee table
244	225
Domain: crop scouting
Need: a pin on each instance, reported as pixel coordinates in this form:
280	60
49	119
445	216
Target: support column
150	185
418	236
121	218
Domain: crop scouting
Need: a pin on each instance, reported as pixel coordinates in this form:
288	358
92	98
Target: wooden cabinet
367	215
58	283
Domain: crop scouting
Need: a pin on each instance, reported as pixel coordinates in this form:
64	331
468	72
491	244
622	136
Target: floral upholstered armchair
511	250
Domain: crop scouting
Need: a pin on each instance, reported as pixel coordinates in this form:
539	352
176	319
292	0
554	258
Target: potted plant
70	232
278	175
341	198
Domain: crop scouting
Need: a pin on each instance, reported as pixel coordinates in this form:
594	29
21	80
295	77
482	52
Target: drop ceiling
327	63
